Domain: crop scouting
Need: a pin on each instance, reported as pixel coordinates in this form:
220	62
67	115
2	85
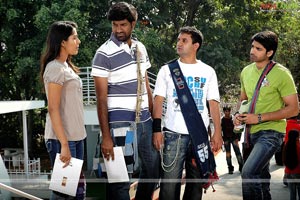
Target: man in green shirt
277	100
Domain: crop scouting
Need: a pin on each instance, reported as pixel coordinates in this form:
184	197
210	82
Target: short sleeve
160	84
145	56
287	87
100	64
54	74
242	81
213	90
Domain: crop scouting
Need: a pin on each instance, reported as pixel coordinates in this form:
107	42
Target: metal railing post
18	192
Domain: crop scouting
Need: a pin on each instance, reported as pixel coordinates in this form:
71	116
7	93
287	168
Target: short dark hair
226	108
122	10
197	36
268	39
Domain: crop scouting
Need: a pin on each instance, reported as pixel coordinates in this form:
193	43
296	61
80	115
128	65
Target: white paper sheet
65	180
116	169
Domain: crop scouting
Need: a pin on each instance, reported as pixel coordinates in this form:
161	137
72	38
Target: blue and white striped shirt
116	61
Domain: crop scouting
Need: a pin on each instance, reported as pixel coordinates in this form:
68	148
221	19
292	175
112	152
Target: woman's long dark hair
290	156
59	31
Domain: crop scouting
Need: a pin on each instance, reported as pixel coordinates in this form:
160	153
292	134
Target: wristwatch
259	118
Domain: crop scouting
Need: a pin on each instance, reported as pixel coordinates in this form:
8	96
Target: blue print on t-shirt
195	84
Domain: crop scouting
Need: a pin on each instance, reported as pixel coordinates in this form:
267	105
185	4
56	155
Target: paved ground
227	188
229	185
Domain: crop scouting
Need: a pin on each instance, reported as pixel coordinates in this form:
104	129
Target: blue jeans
177	151
77	151
255	174
149	165
294	185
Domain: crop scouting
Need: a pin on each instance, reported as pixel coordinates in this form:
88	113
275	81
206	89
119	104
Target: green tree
227	26
19	47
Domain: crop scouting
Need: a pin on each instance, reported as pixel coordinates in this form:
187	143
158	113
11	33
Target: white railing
152	79
15	165
88	87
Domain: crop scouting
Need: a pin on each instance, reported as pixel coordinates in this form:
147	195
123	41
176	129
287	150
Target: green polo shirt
277	84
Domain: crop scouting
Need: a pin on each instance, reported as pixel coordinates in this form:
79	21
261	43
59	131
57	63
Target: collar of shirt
124	45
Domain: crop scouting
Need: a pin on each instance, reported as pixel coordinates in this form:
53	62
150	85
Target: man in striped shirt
124	111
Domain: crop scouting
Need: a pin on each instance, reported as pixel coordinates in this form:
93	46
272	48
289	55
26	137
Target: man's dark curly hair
225	108
122	10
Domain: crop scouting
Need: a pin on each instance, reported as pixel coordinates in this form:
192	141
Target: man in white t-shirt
174	140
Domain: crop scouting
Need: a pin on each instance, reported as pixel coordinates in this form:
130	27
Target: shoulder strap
255	97
193	120
258	85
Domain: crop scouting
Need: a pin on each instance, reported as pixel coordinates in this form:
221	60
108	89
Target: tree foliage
227	26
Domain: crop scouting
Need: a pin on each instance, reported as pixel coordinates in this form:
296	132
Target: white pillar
25	142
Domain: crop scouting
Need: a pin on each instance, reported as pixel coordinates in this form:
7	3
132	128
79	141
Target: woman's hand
65	155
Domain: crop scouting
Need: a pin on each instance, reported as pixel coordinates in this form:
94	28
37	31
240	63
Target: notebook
65	180
116	169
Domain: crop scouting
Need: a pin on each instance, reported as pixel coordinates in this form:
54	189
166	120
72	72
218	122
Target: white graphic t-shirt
202	82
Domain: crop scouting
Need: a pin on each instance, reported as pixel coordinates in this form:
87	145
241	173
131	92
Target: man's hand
248	118
216	142
158	140
107	146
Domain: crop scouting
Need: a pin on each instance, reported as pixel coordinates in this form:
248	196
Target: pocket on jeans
48	145
170	142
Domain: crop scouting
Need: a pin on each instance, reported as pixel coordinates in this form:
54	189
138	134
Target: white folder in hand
116	169
65	180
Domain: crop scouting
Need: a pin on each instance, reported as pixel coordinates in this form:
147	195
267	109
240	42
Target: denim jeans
255	174
149	165
77	151
177	151
294	185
